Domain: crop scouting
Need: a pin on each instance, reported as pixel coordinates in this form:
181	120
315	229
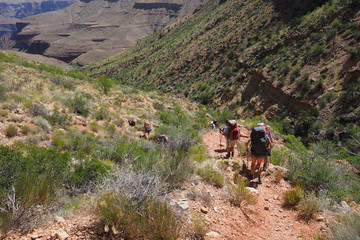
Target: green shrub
240	194
154	220
308	206
280	156
39	110
79	104
347	228
337	24
42	123
4	113
102	113
25	130
2	92
11	131
209	175
199	226
105	84
94	126
56	118
292	196
350	96
87	169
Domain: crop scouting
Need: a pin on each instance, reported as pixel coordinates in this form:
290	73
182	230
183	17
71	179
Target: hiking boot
232	154
228	155
265	167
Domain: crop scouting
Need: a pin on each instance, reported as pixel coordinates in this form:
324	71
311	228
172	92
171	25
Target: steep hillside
12	11
296	59
89	31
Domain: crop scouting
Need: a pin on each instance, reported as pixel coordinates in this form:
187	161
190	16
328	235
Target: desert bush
308	206
25	130
350	96
102	113
292	196
105	84
29	194
241	194
3	113
39	110
42	123
280	156
56	118
110	129
79	103
154	220
11	130
347	228
199	226
209	175
64	82
278	175
87	169
2	92
159	222
94	126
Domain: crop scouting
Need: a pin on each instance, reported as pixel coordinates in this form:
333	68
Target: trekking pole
220	138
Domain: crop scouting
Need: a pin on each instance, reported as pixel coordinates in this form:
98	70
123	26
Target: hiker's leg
232	148
253	160
259	160
265	162
228	147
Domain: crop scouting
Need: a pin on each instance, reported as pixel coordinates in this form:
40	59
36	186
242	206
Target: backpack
216	123
259	141
234	131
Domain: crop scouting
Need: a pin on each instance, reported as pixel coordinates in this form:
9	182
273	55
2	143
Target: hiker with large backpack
232	134
259	148
271	141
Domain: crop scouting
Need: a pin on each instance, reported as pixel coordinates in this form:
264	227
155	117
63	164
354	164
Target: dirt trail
268	219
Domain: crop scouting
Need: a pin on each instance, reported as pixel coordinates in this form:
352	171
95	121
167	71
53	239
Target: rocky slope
92	30
13	11
271	58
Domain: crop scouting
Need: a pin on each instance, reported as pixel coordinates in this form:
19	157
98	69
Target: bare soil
267	219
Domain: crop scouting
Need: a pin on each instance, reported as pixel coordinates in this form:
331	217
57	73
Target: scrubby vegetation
85	149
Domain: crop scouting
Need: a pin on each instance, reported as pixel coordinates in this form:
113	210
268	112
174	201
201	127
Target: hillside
11	11
89	31
279	59
74	165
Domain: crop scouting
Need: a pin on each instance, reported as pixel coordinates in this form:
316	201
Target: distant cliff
13	11
91	30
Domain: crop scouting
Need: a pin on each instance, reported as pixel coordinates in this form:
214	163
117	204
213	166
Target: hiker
214	124
259	148
232	133
271	141
163	139
147	130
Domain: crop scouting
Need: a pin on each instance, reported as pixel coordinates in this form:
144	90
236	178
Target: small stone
212	234
114	230
216	209
34	236
253	190
320	219
266	208
276	197
59	219
61	235
204	210
280	210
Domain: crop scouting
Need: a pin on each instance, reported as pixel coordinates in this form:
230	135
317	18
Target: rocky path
267	219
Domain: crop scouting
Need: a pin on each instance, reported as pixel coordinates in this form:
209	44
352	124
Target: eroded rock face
11	11
91	30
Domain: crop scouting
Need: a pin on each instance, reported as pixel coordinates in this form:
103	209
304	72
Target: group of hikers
260	142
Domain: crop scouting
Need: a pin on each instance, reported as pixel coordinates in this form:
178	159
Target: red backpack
234	131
